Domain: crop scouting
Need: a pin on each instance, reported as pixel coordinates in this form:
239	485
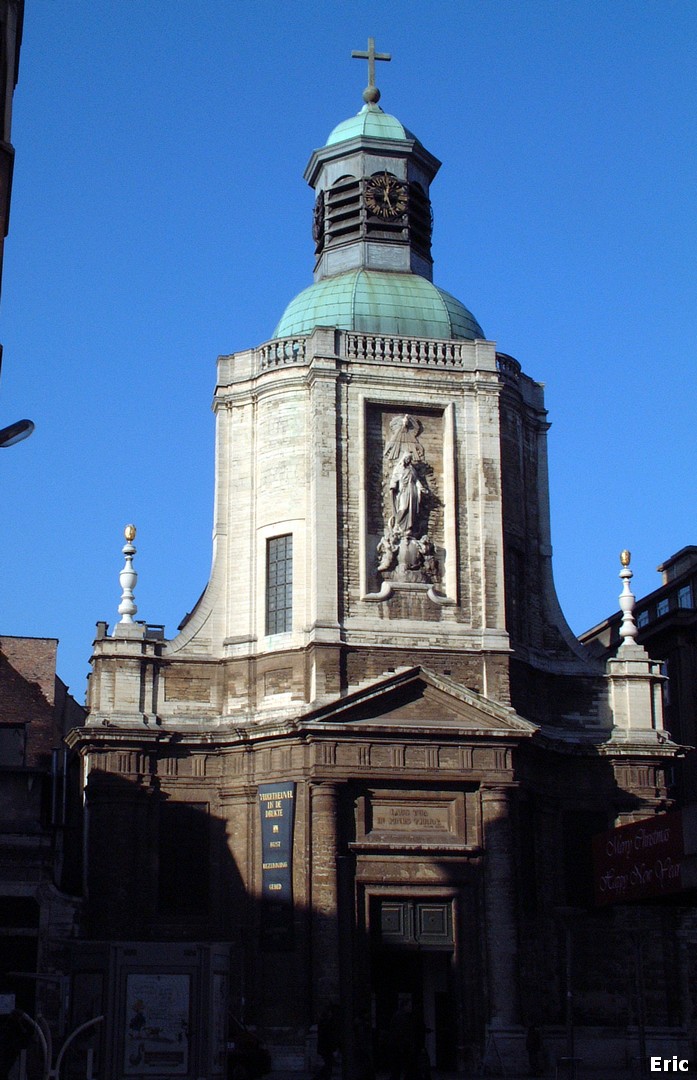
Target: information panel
157	1025
277	811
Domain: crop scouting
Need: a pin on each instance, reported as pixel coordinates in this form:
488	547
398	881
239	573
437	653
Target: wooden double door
412	972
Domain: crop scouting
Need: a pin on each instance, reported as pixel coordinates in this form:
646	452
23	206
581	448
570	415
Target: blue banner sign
277	812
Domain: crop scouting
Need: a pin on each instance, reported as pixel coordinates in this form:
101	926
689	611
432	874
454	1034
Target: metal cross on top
371	92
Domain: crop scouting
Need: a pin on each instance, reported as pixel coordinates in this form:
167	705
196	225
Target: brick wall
27	693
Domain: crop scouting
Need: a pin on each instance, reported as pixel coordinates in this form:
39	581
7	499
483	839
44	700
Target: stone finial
128	578
628	629
635	680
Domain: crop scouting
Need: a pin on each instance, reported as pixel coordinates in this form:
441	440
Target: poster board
158	1023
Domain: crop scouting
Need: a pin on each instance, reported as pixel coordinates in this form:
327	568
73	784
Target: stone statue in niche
405	438
405	550
408	491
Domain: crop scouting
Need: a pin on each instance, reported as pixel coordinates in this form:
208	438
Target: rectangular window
685	597
279	584
579	828
515	594
12	745
184	859
662	607
666	685
642	618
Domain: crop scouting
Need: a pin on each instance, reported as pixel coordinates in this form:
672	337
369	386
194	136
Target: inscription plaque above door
409	817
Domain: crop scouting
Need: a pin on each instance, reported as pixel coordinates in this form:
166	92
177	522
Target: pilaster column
324	895
500	913
119	877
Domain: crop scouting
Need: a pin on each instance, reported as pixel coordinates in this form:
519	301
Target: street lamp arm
14	433
89	1023
42	1038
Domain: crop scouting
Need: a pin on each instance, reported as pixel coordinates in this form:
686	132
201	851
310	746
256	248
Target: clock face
386	196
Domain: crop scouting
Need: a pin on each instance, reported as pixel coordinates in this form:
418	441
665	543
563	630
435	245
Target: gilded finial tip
625	557
130	532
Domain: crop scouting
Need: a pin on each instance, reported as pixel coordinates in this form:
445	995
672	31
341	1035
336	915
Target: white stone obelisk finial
128	577
628	629
636	700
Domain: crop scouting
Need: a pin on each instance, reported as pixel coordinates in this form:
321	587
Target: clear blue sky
159	218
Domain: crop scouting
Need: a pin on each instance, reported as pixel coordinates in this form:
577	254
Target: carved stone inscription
410	817
405	510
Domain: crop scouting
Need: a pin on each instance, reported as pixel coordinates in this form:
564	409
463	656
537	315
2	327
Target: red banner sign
639	860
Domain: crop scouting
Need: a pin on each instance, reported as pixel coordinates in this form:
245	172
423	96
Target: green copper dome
379	302
372	122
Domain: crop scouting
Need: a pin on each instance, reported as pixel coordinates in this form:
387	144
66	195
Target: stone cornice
371	146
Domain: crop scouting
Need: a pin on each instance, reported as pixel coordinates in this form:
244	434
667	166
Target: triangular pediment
420	700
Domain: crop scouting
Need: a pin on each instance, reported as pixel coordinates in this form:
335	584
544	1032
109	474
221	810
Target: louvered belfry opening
344	210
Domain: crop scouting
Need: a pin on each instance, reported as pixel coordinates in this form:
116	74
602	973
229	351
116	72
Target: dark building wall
28	695
489	834
40	826
11	23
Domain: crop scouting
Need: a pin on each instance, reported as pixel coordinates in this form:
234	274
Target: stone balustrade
376	348
508	367
401	350
281	352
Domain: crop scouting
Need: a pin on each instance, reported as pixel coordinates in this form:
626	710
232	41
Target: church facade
369	766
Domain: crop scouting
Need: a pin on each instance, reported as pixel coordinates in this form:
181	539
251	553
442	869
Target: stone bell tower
381	485
372	179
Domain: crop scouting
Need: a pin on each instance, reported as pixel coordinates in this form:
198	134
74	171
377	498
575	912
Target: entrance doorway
412	967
